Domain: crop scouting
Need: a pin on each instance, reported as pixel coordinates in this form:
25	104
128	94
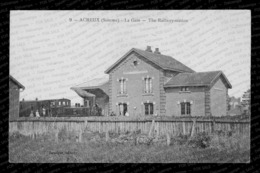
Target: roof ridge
164	56
202	72
153	53
165	62
196	78
91	80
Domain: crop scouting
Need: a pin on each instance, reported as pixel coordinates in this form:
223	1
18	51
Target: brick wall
207	102
13	100
110	93
162	94
218	98
134	85
196	95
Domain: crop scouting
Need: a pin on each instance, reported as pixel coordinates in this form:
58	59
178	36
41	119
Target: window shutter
143	82
146	109
125	86
182	108
151	109
146	85
151	85
188	108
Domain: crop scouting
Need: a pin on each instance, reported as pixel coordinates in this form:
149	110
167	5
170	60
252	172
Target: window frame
122	86
148	85
124	106
148	108
185	108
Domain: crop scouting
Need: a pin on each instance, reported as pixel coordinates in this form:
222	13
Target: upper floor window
122	83
148	85
185	108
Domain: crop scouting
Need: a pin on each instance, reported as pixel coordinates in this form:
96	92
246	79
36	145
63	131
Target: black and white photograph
134	86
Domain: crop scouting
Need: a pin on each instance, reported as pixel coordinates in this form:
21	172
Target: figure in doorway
37	113
43	111
31	113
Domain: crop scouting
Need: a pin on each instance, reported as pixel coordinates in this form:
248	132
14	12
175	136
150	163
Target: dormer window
184	88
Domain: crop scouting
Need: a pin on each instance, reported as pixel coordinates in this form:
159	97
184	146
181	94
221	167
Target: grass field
234	149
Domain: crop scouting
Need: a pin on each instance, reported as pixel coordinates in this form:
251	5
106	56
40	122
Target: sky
52	51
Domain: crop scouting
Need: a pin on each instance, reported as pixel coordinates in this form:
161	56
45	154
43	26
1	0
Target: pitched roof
163	61
92	83
16	82
45	100
196	79
97	83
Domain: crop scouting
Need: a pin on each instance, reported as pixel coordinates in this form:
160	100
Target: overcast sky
51	51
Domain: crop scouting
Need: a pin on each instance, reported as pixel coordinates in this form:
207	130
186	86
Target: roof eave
15	81
90	87
172	86
181	71
134	50
224	76
113	65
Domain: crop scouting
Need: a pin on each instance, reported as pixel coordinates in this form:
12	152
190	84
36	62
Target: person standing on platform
37	113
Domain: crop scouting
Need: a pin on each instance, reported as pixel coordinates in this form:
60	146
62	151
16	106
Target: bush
234	142
180	139
65	135
201	140
17	136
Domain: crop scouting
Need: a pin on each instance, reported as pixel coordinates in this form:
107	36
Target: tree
246	101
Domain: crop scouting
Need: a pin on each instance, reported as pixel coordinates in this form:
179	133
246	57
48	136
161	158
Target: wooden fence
163	126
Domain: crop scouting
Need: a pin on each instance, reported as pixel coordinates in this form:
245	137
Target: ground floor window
148	108
122	108
185	108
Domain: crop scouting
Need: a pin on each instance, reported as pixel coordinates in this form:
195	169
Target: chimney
148	49
157	51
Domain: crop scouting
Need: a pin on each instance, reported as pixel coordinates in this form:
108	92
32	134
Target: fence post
107	136
168	139
151	128
193	128
157	131
80	135
213	125
56	135
85	124
183	127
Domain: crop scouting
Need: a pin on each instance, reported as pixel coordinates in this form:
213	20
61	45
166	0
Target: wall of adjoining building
218	99
13	100
196	95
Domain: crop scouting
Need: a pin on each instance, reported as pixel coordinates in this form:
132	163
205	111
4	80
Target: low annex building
14	94
143	82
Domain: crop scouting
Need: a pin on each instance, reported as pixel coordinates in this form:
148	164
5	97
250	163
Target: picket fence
162	126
